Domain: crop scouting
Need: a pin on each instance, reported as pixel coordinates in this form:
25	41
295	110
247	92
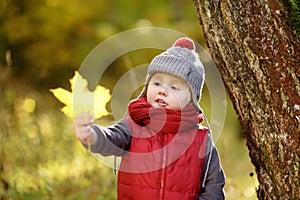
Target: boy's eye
156	83
174	87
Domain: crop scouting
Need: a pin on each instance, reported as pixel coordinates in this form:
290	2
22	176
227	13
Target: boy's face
167	91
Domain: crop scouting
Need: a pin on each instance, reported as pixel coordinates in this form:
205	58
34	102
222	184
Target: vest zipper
163	171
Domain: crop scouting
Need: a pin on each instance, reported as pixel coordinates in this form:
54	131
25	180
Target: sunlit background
42	43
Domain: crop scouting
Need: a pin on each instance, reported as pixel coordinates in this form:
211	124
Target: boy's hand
83	129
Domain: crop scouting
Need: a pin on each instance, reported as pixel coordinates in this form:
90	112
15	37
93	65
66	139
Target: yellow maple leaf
81	99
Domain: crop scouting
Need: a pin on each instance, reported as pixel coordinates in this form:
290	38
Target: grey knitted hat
182	61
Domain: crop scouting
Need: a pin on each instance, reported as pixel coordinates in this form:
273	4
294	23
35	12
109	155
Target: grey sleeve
215	179
112	140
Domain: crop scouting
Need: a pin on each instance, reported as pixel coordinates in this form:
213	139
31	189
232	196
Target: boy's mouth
161	103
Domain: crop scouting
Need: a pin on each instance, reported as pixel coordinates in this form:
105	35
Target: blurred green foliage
50	38
293	8
41	44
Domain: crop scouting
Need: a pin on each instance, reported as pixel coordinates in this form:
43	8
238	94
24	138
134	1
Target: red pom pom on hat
184	43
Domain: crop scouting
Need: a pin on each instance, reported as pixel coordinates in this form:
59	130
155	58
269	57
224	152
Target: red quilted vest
162	165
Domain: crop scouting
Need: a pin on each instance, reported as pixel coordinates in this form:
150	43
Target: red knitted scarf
162	119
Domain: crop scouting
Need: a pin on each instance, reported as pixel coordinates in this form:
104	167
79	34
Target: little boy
165	153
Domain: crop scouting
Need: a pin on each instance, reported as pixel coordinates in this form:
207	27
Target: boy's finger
84	121
87	123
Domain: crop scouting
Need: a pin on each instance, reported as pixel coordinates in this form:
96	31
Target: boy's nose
163	91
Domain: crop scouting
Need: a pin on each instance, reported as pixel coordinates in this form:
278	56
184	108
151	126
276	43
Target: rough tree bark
257	52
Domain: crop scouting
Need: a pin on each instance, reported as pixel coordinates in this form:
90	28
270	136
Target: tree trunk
257	51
